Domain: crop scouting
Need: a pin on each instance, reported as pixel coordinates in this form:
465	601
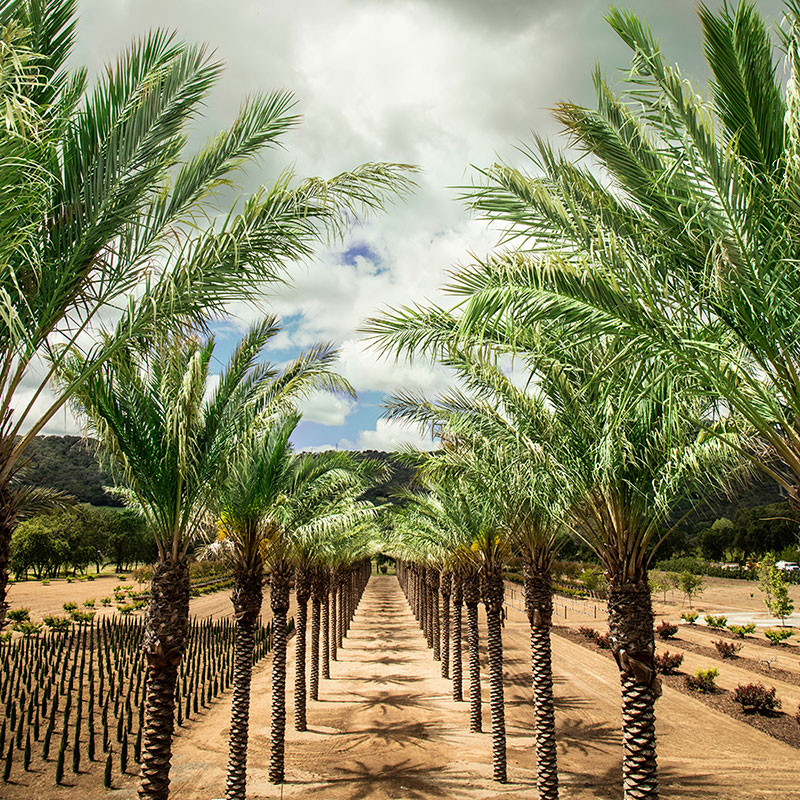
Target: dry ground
388	728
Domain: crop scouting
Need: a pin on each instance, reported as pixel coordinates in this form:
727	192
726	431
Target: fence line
562	606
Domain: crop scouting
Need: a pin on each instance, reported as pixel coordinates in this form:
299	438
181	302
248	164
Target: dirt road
387	728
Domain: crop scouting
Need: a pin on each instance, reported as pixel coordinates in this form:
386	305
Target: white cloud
389	435
326	408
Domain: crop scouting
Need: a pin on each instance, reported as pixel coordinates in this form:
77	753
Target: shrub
18	614
57	623
756	697
27	628
70	606
603	641
90	577
82	616
667	663
742	630
689	616
45	581
122	577
69	579
727	649
703	680
125	608
588	633
718	623
666	630
777	635
88	603
105	601
5	636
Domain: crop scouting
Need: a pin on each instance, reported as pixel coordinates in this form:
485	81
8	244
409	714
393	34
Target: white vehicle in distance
787	566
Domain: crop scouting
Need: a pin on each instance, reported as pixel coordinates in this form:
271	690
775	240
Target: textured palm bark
342	612
471	596
539	607
163	643
7	516
630	622
433	586
302	593
458	693
246	598
444	587
279	602
317	598
493	590
326	637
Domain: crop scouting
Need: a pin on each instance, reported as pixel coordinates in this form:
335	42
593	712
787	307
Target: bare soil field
386	727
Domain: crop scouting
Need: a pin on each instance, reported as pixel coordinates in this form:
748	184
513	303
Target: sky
446	85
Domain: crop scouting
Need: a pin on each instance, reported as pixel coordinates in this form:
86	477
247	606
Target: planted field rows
69	700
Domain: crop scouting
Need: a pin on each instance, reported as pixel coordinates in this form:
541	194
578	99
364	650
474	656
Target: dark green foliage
26	755
107	772
60	765
123	753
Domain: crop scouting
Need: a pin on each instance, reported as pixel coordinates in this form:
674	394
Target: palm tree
631	450
687	250
169	444
455	515
506	457
105	210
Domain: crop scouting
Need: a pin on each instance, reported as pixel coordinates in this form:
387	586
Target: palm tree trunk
247	596
444	587
630	622
166	627
7	517
333	625
433	584
471	596
458	694
342	612
302	591
315	632
279	601
539	606
326	636
493	591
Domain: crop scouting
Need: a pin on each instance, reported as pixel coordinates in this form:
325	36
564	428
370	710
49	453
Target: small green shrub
666	630
56	623
90	577
5	636
18	614
727	649
125	608
105	601
667	663
689	616
703	680
742	630
755	697
69	579
82	616
717	623
28	628
45	581
70	606
88	603
122	577
777	635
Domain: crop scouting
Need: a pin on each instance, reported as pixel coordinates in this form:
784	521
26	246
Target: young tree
773	583
691	585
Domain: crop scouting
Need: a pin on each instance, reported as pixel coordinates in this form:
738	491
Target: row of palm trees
213	460
114	262
631	348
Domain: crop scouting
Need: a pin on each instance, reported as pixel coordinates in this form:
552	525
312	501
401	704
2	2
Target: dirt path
387	728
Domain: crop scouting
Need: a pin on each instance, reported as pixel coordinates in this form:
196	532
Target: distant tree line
68	542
